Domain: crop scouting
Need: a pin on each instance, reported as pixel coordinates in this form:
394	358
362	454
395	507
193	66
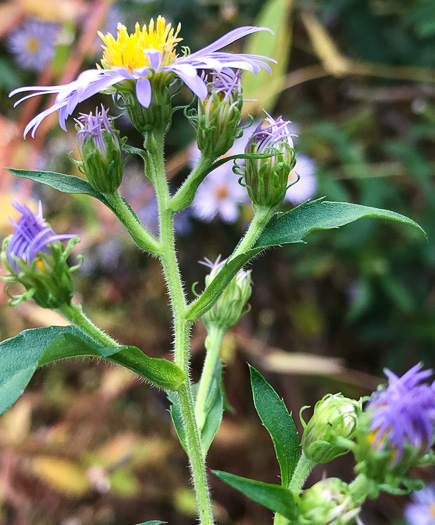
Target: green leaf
279	423
61	182
214	408
291	227
274	497
262	90
20	356
154	522
177	419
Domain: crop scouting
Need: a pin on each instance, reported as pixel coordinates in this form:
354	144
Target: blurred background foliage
89	444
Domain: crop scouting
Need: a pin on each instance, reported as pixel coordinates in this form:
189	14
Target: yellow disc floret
129	51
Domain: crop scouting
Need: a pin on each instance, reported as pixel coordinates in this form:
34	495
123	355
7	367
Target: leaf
263	87
21	355
274	497
61	182
279	423
290	227
153	522
214	409
177	419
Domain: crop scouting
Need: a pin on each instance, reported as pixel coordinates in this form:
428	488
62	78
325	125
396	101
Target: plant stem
130	220
74	313
156	172
213	345
301	473
359	489
261	218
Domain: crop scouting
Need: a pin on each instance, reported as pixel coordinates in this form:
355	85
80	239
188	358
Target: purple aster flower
422	509
32	235
140	56
92	127
305	188
33	44
403	412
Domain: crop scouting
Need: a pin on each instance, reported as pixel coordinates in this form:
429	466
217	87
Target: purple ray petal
143	91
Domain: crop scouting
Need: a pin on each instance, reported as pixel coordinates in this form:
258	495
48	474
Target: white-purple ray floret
92	126
270	136
403	412
187	68
32	235
422	509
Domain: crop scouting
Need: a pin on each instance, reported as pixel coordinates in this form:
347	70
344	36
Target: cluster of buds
100	148
266	178
230	306
334	420
219	114
397	427
35	257
328	502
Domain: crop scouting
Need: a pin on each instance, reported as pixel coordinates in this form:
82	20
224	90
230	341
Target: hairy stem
156	172
261	218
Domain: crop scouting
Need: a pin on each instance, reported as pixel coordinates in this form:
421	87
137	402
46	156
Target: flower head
267	178
32	236
100	149
35	257
142	61
33	44
422	509
230	306
403	413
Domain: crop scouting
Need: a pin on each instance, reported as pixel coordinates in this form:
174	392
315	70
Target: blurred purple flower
422	509
403	412
124	61
32	235
33	44
305	188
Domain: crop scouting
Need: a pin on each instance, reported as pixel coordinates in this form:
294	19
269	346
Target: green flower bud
158	115
219	115
230	306
266	179
334	417
328	502
100	150
35	257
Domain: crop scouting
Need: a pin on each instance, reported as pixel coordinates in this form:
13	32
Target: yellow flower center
129	51
33	45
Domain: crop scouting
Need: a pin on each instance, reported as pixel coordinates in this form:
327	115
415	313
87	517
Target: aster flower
147	54
32	236
35	257
267	179
302	181
403	413
422	509
33	44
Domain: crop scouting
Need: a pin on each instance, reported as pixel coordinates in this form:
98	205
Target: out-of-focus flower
304	188
136	60
219	196
403	413
421	511
267	178
33	44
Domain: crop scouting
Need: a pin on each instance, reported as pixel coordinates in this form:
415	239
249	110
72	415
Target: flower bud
100	150
328	502
230	306
35	257
335	416
219	114
266	179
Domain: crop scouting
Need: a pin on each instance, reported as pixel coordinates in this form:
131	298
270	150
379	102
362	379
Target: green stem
156	172
303	469
130	220
261	218
300	475
213	345
74	313
186	193
359	489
